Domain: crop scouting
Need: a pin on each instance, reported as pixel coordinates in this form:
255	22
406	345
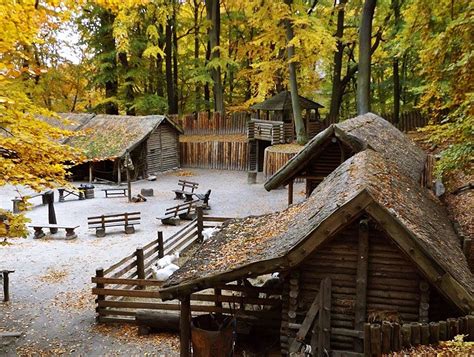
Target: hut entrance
261	146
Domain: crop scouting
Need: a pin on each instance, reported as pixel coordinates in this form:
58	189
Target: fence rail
408	121
126	286
214	155
392	337
213	123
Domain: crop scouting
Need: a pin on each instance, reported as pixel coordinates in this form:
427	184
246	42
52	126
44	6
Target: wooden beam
185	327
119	171
90	172
361	281
290	192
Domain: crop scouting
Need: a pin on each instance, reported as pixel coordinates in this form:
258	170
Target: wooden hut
151	141
369	244
327	150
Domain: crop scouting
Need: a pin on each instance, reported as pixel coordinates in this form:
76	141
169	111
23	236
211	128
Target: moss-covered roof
359	133
109	136
256	244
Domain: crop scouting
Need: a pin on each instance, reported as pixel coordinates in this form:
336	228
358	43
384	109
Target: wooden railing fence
127	286
393	337
214	155
213	123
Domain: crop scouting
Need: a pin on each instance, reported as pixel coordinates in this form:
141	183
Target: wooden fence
393	337
127	286
231	155
213	123
408	121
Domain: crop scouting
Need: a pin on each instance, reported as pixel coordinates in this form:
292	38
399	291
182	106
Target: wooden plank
133	293
306	325
324	331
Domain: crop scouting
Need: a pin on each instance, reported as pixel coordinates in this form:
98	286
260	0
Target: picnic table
39	233
62	196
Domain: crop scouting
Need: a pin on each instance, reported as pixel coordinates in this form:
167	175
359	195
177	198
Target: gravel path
51	304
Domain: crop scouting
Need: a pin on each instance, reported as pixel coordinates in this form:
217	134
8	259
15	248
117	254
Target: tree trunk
175	62
396	92
111	85
197	95
169	68
213	15
301	136
337	88
129	96
363	78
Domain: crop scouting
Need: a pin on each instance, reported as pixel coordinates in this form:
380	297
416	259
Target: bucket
212	336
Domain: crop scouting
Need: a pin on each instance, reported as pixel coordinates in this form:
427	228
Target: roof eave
289	170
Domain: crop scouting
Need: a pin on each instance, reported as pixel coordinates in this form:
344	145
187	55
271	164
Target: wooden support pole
375	340
119	172
140	264
361	281
367	349
90	172
99	273
218	302
290	192
199	222
6	285
386	337
185	327
161	246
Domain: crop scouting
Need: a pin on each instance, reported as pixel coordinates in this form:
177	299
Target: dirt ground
50	291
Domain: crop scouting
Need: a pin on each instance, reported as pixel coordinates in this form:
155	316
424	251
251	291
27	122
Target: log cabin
327	150
369	244
151	141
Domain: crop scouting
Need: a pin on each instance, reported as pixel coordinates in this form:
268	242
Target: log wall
395	291
162	149
214	155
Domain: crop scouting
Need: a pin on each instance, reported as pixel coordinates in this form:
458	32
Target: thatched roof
359	133
282	101
363	184
109	136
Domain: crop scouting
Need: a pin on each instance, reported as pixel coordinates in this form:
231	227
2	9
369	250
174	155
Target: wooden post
375	340
415	333
185	327
290	192
218	302
119	172
6	285
470	327
453	328
361	281
434	332
129	185
90	172
99	273
425	334
367	349
161	247
396	338
324	335
443	331
386	337
140	265
406	336
200	222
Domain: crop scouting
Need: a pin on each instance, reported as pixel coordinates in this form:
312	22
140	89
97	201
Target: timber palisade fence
220	155
127	286
205	123
393	337
408	121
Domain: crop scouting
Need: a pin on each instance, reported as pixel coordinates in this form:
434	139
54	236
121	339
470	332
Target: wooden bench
70	234
114	192
128	220
204	198
19	201
186	191
182	211
6	284
62	196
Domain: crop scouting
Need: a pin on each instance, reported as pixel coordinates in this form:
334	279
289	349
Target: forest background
142	57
